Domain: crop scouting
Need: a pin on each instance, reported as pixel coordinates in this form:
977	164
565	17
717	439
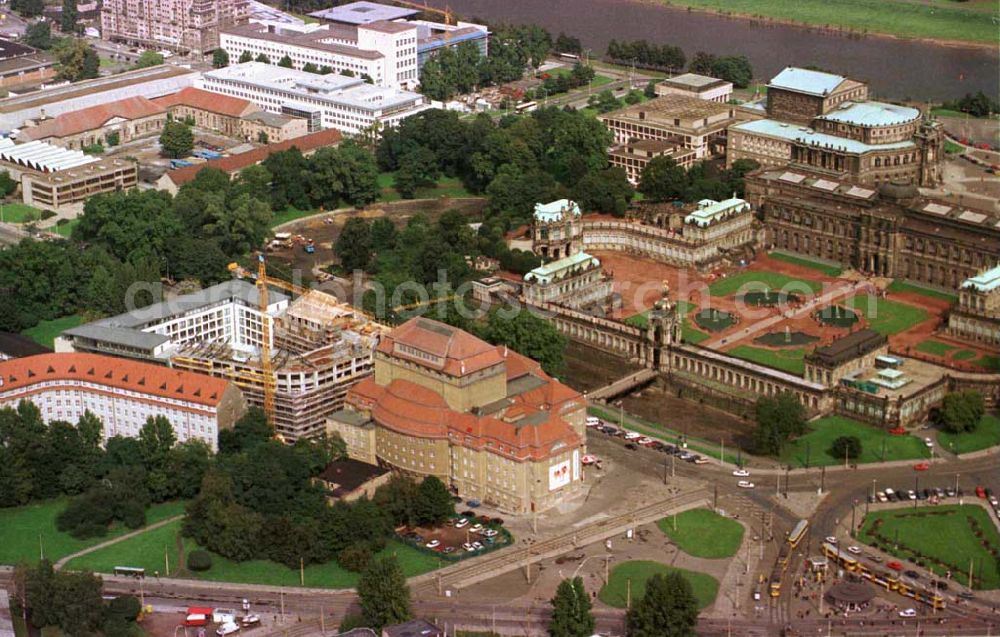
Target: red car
894	565
980	492
898	431
921	466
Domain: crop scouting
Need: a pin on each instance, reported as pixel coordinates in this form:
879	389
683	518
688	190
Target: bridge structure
624	385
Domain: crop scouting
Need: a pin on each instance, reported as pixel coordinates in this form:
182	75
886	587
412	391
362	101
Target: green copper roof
985	281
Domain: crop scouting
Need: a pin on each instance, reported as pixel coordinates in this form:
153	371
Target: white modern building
122	393
384	51
348	104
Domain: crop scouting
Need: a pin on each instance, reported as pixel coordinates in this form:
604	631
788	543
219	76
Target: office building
698	86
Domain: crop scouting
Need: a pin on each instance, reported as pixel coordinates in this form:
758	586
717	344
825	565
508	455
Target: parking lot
462	537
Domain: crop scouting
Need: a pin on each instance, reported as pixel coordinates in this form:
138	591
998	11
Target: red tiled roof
207	101
461	352
92	118
145	378
235	163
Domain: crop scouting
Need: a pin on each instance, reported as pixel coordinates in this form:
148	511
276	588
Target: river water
895	69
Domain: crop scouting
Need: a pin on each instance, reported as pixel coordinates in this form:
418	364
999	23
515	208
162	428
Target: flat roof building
21	65
122	393
633	157
347	104
699	86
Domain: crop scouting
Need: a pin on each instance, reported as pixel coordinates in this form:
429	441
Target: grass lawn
20	213
689	333
825	268
790	360
903	286
65	229
665	434
147	551
952	148
20	528
922	529
747	281
445	187
290	214
815	445
947	112
935	348
907	18
885	316
46	332
991	363
615	592
986	434
703	533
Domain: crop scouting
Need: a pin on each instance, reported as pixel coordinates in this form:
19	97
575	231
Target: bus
526	107
130	571
799	532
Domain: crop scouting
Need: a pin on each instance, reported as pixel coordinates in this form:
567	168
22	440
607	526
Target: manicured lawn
790	360
20	528
747	281
986	434
445	187
935	348
46	332
147	551
943	535
907	18
952	148
991	363
902	286
20	213
825	268
65	229
665	434
815	445
885	316
290	214
615	592
703	533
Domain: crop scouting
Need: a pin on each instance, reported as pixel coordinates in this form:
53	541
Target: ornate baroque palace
485	420
827	124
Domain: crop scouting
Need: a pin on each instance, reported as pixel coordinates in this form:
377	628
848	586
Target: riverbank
969	25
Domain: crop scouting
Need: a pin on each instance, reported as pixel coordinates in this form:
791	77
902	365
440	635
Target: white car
701	460
632	435
250	620
227	629
928	442
593	421
745	484
741	473
478	546
645	440
881	496
854	549
461	522
909	612
478	528
490	533
831	540
433	544
468	547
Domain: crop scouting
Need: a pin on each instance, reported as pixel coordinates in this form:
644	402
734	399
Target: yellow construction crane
265	347
446	12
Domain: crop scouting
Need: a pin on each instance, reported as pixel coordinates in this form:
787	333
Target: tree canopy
961	411
779	417
149	58
571	610
176	140
667	609
384	595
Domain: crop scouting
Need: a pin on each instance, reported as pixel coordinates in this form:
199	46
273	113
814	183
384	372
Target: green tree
68	18
778	418
650	90
309	67
286	62
28	8
434	504
848	447
383	234
667	609
571	610
262	58
418	169
39	35
248	432
113	138
961	411
77	60
245	57
176	140
383	593
606	190
662	180
353	246
7	184
529	336
290	173
735	69
220	58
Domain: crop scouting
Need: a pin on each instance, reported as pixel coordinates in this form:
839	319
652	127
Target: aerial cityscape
466	318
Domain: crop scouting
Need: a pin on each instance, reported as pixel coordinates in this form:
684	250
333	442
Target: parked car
700	460
921	466
745	484
854	549
645	440
490	532
741	473
227	628
894	565
928	442
632	435
593	421
433	544
911	494
830	539
967	596
476	528
909	612
912	574
980	492
889	494
197	617
250	620
448	549
880	496
631	446
461	523
950	492
473	504
477	546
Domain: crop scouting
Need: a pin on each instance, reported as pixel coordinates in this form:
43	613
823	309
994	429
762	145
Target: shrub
127	607
47	214
199	561
355	557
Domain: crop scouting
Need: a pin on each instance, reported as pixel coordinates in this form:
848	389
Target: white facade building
123	394
347	104
384	51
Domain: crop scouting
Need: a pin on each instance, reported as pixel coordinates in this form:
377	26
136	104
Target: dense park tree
69	600
645	55
846	447
606	191
384	595
28	8
662	180
433	504
567	44
733	68
978	105
39	35
530	336
650	91
176	140
69	17
353	246
250	430
571	610
961	411
418	169
778	418
667	609
149	58
77	60
220	58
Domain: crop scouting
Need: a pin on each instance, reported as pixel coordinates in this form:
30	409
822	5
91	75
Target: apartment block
177	25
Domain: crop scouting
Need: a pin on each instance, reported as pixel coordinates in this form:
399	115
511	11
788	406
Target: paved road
11	234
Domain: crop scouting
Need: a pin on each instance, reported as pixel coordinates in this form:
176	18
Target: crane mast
265	346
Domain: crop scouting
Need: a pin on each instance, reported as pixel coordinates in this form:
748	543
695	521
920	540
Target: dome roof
898	190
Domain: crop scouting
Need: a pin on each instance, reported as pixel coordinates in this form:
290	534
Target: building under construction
317	346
